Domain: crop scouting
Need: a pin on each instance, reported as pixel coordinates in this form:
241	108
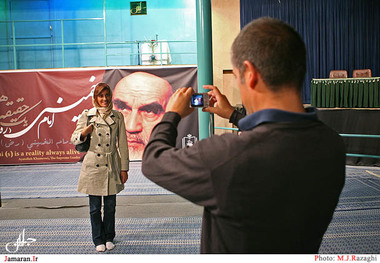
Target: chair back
362	73
338	74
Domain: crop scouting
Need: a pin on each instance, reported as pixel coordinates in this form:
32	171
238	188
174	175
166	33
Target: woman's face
104	98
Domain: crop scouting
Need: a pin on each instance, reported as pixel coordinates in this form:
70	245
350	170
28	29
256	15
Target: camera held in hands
199	100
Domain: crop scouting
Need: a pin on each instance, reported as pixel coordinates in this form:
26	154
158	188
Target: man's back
276	188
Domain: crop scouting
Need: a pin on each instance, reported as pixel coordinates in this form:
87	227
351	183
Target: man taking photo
274	187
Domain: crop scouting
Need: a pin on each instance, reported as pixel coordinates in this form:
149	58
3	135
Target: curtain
339	34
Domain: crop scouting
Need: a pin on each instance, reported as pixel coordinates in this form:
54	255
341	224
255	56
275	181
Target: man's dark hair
275	49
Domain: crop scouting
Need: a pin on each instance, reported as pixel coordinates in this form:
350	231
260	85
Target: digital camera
199	100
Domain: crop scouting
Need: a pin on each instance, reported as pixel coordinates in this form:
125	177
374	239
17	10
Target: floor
40	198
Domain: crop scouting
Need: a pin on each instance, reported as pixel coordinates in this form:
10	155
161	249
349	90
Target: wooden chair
338	74
362	73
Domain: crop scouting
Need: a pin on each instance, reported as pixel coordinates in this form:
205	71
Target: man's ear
250	74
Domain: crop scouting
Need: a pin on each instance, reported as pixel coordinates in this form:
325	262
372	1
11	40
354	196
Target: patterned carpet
73	236
361	190
355	228
353	232
61	180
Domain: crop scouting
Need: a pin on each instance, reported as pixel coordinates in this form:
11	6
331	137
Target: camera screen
197	100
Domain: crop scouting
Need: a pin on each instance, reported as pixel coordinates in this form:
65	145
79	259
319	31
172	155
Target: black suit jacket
273	189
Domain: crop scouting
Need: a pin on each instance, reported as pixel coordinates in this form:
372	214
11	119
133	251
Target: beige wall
225	27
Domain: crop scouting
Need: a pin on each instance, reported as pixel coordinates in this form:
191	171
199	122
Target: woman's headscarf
103	111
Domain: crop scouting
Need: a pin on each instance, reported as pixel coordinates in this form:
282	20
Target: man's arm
236	116
181	171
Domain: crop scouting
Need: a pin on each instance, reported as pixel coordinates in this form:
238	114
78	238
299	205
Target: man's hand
124	176
179	102
219	103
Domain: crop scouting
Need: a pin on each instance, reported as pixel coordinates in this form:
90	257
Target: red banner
39	109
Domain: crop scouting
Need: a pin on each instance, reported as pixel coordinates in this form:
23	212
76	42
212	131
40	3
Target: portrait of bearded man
142	98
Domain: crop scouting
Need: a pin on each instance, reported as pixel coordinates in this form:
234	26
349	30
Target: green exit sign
138	8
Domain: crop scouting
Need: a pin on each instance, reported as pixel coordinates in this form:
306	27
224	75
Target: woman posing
106	164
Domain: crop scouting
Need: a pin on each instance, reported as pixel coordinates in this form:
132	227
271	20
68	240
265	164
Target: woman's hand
86	131
124	176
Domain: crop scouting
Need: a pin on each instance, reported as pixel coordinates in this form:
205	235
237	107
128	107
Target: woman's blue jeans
103	230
